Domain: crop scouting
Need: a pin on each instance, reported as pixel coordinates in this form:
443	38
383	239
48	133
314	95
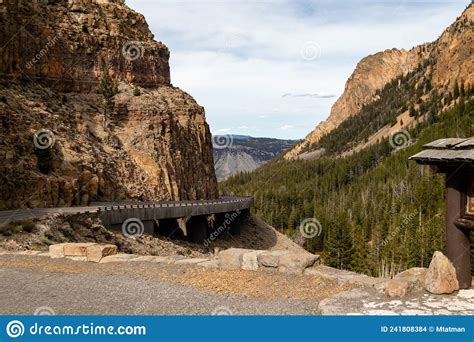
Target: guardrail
171	204
116	214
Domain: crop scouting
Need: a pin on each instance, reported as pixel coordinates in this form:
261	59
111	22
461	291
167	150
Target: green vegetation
108	88
136	91
380	212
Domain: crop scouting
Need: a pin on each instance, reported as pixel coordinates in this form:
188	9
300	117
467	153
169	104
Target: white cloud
238	58
223	131
310	95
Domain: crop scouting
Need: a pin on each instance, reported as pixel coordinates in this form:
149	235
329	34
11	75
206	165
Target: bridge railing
246	200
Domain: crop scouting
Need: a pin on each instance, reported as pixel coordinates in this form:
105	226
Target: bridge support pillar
197	227
169	228
149	227
230	222
236	224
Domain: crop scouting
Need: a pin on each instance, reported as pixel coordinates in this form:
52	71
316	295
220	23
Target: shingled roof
449	150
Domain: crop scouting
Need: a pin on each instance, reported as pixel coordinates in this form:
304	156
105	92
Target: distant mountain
237	153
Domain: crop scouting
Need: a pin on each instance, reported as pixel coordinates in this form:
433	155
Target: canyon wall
60	144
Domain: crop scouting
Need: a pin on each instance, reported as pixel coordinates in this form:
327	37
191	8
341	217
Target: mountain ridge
244	153
375	71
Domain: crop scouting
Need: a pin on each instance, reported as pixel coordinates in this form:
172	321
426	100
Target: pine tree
456	90
338	244
360	256
108	88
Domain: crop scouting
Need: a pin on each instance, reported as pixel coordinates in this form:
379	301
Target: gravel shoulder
140	288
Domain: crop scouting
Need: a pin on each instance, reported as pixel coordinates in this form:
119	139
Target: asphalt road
23	291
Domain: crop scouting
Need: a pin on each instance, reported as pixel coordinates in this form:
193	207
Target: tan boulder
441	275
77	249
406	282
96	252
296	262
231	259
250	260
415	276
76	257
56	250
118	258
210	264
191	261
398	288
271	258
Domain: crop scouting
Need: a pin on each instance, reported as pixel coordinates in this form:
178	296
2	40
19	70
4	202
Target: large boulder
56	250
231	259
406	282
77	249
85	251
441	275
296	262
271	258
96	252
397	288
415	276
250	260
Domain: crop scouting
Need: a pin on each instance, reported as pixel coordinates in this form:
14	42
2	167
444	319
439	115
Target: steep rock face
371	74
155	145
66	44
445	61
453	52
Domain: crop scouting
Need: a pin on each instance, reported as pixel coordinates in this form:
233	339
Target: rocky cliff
447	60
65	44
61	144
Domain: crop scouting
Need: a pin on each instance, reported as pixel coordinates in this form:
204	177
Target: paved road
164	208
24	290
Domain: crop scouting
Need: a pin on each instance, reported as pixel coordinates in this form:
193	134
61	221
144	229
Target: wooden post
457	240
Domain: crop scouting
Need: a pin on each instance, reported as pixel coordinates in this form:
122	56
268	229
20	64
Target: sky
274	68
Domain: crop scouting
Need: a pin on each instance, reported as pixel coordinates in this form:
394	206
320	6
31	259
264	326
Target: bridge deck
117	212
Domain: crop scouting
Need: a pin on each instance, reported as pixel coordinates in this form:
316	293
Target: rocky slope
246	154
446	60
59	145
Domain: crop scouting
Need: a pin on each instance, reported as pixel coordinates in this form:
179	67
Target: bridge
195	219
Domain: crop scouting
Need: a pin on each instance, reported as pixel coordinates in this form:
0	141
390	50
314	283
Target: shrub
136	91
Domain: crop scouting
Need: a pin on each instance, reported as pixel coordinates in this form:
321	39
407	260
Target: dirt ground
39	234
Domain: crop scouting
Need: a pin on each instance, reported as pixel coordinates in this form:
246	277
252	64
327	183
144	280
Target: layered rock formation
66	44
446	60
57	147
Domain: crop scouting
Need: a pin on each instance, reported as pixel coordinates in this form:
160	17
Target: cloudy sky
274	68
